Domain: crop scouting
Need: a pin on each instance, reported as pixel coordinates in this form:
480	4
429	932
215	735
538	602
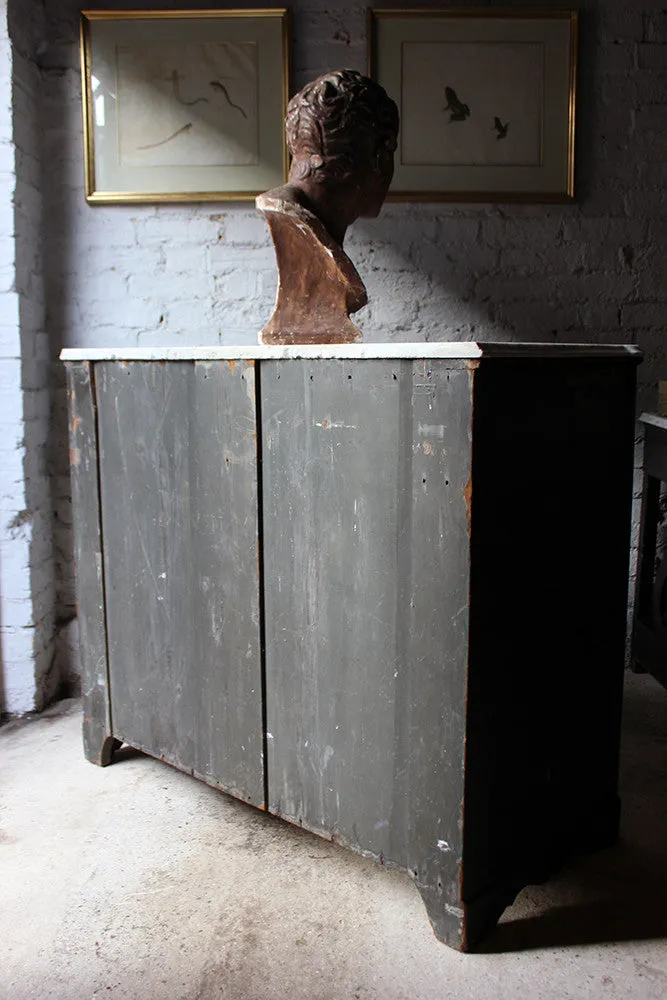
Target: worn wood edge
655	420
233	791
435	350
98	738
448	920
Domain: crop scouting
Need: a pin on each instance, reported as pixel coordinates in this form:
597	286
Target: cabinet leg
448	920
461	925
109	747
99	747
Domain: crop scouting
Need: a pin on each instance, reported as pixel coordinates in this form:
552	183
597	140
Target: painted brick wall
27	571
590	271
15	602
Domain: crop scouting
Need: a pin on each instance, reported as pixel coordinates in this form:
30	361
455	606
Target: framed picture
183	105
486	99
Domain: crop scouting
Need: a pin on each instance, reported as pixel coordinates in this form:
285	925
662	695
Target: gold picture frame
184	105
487	100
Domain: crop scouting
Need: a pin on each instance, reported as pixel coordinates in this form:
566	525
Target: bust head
341	131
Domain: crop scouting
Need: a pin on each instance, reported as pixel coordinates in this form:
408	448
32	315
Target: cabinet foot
462	926
101	750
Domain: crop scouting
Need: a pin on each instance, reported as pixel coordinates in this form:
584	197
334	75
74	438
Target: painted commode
377	590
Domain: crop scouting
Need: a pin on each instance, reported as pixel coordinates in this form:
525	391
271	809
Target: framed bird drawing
486	100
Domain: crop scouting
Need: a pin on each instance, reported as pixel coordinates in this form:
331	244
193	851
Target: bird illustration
458	111
499	128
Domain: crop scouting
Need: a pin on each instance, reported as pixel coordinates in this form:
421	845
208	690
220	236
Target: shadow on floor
619	894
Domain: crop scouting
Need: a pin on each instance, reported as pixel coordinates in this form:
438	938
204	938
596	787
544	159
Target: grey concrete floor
138	882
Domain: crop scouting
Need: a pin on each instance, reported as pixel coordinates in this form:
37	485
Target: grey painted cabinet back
382	598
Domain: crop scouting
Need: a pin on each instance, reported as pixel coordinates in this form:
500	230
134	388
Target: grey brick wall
27	576
591	271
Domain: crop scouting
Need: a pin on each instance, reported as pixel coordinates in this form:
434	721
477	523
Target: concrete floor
138	882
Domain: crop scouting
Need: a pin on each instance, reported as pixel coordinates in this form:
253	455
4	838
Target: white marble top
444	349
655	419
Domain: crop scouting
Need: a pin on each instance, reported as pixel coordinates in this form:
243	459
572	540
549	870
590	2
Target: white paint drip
337	424
433	430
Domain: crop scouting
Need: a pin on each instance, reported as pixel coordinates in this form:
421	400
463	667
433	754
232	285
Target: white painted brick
187	273
9	310
646	202
10	376
15	573
650	88
181	260
12	488
237	285
656	26
644	314
653	175
17	643
177	225
622	22
267	284
17	614
10	342
616	58
652	57
223	259
106	287
190	313
19	685
246	229
11	413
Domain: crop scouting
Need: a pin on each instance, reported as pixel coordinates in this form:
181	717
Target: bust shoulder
287	201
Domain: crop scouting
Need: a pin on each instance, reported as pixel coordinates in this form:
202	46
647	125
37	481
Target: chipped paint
433	430
467	493
335	425
444	846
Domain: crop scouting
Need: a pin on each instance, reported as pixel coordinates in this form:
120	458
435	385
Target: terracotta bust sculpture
341	132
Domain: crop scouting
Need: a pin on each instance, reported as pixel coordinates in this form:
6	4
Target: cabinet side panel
366	469
89	560
552	490
179	508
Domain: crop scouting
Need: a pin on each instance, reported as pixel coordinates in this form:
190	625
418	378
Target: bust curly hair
327	119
